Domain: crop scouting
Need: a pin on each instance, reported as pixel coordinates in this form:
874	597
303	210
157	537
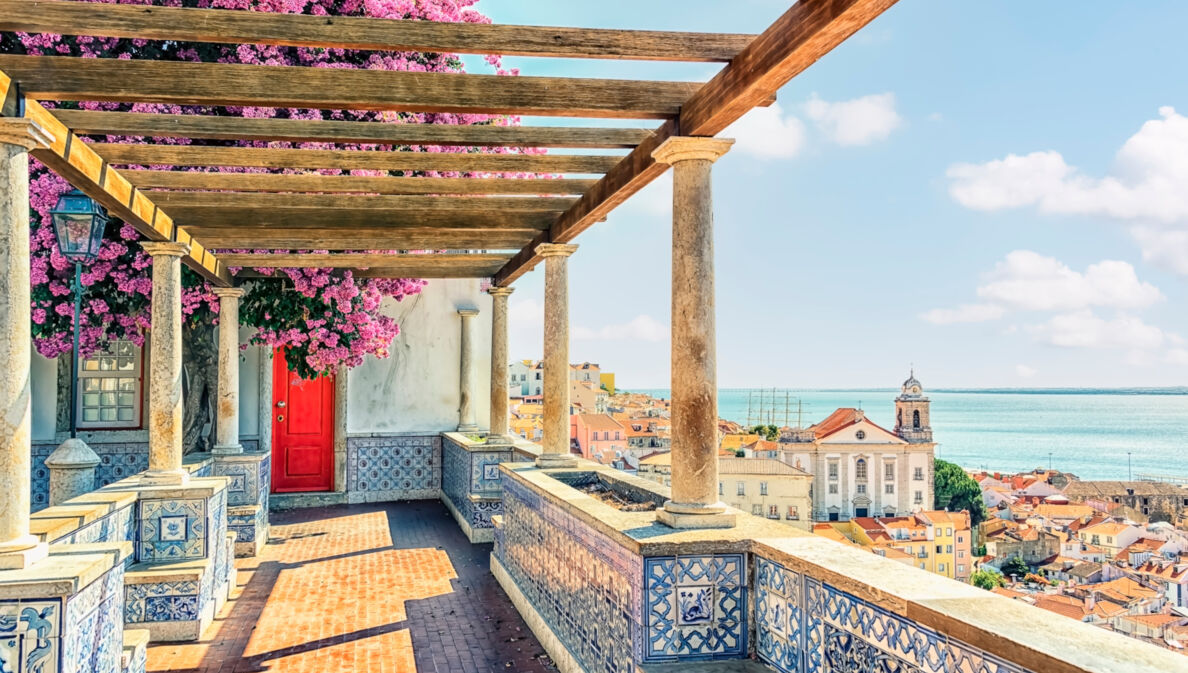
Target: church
861	469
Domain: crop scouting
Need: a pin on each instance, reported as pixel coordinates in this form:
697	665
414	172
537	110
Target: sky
995	193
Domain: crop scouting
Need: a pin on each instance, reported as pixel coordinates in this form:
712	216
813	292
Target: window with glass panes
109	387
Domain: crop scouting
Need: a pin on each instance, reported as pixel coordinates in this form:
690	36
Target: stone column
227	419
18	548
466	422
165	367
695	502
555	443
499	364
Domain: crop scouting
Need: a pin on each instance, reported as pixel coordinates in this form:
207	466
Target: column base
500	440
22	552
555	461
677	515
468	427
226	449
178	477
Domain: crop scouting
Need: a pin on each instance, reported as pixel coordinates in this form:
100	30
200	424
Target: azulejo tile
172	530
394	467
29	635
696	607
804	625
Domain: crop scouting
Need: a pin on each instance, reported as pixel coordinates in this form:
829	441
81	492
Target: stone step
134	658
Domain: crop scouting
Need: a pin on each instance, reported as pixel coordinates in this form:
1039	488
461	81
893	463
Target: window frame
138	394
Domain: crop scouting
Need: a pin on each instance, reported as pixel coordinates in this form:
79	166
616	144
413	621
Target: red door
302	430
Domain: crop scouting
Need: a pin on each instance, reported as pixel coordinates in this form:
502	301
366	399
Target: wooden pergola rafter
493	210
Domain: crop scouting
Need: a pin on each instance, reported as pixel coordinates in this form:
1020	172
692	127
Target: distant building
1156	500
939	542
762	486
525	378
608	382
861	469
598	437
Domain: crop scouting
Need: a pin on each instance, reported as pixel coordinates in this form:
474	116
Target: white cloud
1177	356
1084	329
655	198
767	133
964	313
1145	187
527	312
1027	280
1025	372
859	121
639	328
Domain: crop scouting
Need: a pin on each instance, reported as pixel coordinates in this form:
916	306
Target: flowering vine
323	318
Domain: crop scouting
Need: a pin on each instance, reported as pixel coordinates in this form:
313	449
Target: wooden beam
421	238
91	122
66	78
71	159
274	182
222	26
805	33
345	220
363	260
268	157
421	205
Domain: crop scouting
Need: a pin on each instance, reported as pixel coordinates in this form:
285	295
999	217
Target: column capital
228	292
166	248
556	249
24	132
468	312
685	148
500	291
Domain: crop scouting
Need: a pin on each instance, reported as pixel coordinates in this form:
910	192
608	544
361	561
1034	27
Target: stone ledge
119	551
723	666
61	573
181	571
110	500
279	502
465	442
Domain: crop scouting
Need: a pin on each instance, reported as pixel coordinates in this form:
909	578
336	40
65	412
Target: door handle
281	404
280	418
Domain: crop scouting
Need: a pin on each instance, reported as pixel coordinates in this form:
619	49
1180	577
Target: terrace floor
386	588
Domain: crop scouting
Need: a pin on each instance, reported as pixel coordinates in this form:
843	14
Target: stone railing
611	590
471	485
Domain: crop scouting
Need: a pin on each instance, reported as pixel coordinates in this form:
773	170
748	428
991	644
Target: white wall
44	382
416	388
249	386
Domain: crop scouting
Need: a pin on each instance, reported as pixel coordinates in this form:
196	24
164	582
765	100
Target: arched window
916	419
899	418
860	469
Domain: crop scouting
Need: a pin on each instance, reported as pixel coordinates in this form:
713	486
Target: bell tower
911	412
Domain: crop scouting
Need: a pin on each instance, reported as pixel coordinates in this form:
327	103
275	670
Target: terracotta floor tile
390	588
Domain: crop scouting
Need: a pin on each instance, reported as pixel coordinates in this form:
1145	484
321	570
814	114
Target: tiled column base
62	614
183	559
135	655
247	498
172	601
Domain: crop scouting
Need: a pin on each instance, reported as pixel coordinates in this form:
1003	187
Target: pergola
489	226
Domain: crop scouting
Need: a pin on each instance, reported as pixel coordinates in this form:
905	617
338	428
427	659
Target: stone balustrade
611	590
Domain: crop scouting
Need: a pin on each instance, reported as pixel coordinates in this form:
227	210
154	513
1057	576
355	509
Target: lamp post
78	226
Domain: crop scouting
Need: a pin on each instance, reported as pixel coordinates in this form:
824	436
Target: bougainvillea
324	318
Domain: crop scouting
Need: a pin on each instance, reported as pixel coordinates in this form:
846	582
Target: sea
1092	433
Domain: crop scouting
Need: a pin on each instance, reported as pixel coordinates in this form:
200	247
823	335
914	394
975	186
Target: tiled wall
696	607
117	461
380	469
584	585
82	633
804	625
116	526
474	472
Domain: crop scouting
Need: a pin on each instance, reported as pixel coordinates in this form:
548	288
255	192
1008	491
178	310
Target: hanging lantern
78	226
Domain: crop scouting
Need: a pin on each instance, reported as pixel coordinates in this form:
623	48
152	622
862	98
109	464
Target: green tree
768	432
740	454
1015	567
955	490
986	579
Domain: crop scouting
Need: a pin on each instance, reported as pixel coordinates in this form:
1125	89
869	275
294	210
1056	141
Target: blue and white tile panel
696	607
81	634
173	530
117	526
393	468
804	625
117	460
583	584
